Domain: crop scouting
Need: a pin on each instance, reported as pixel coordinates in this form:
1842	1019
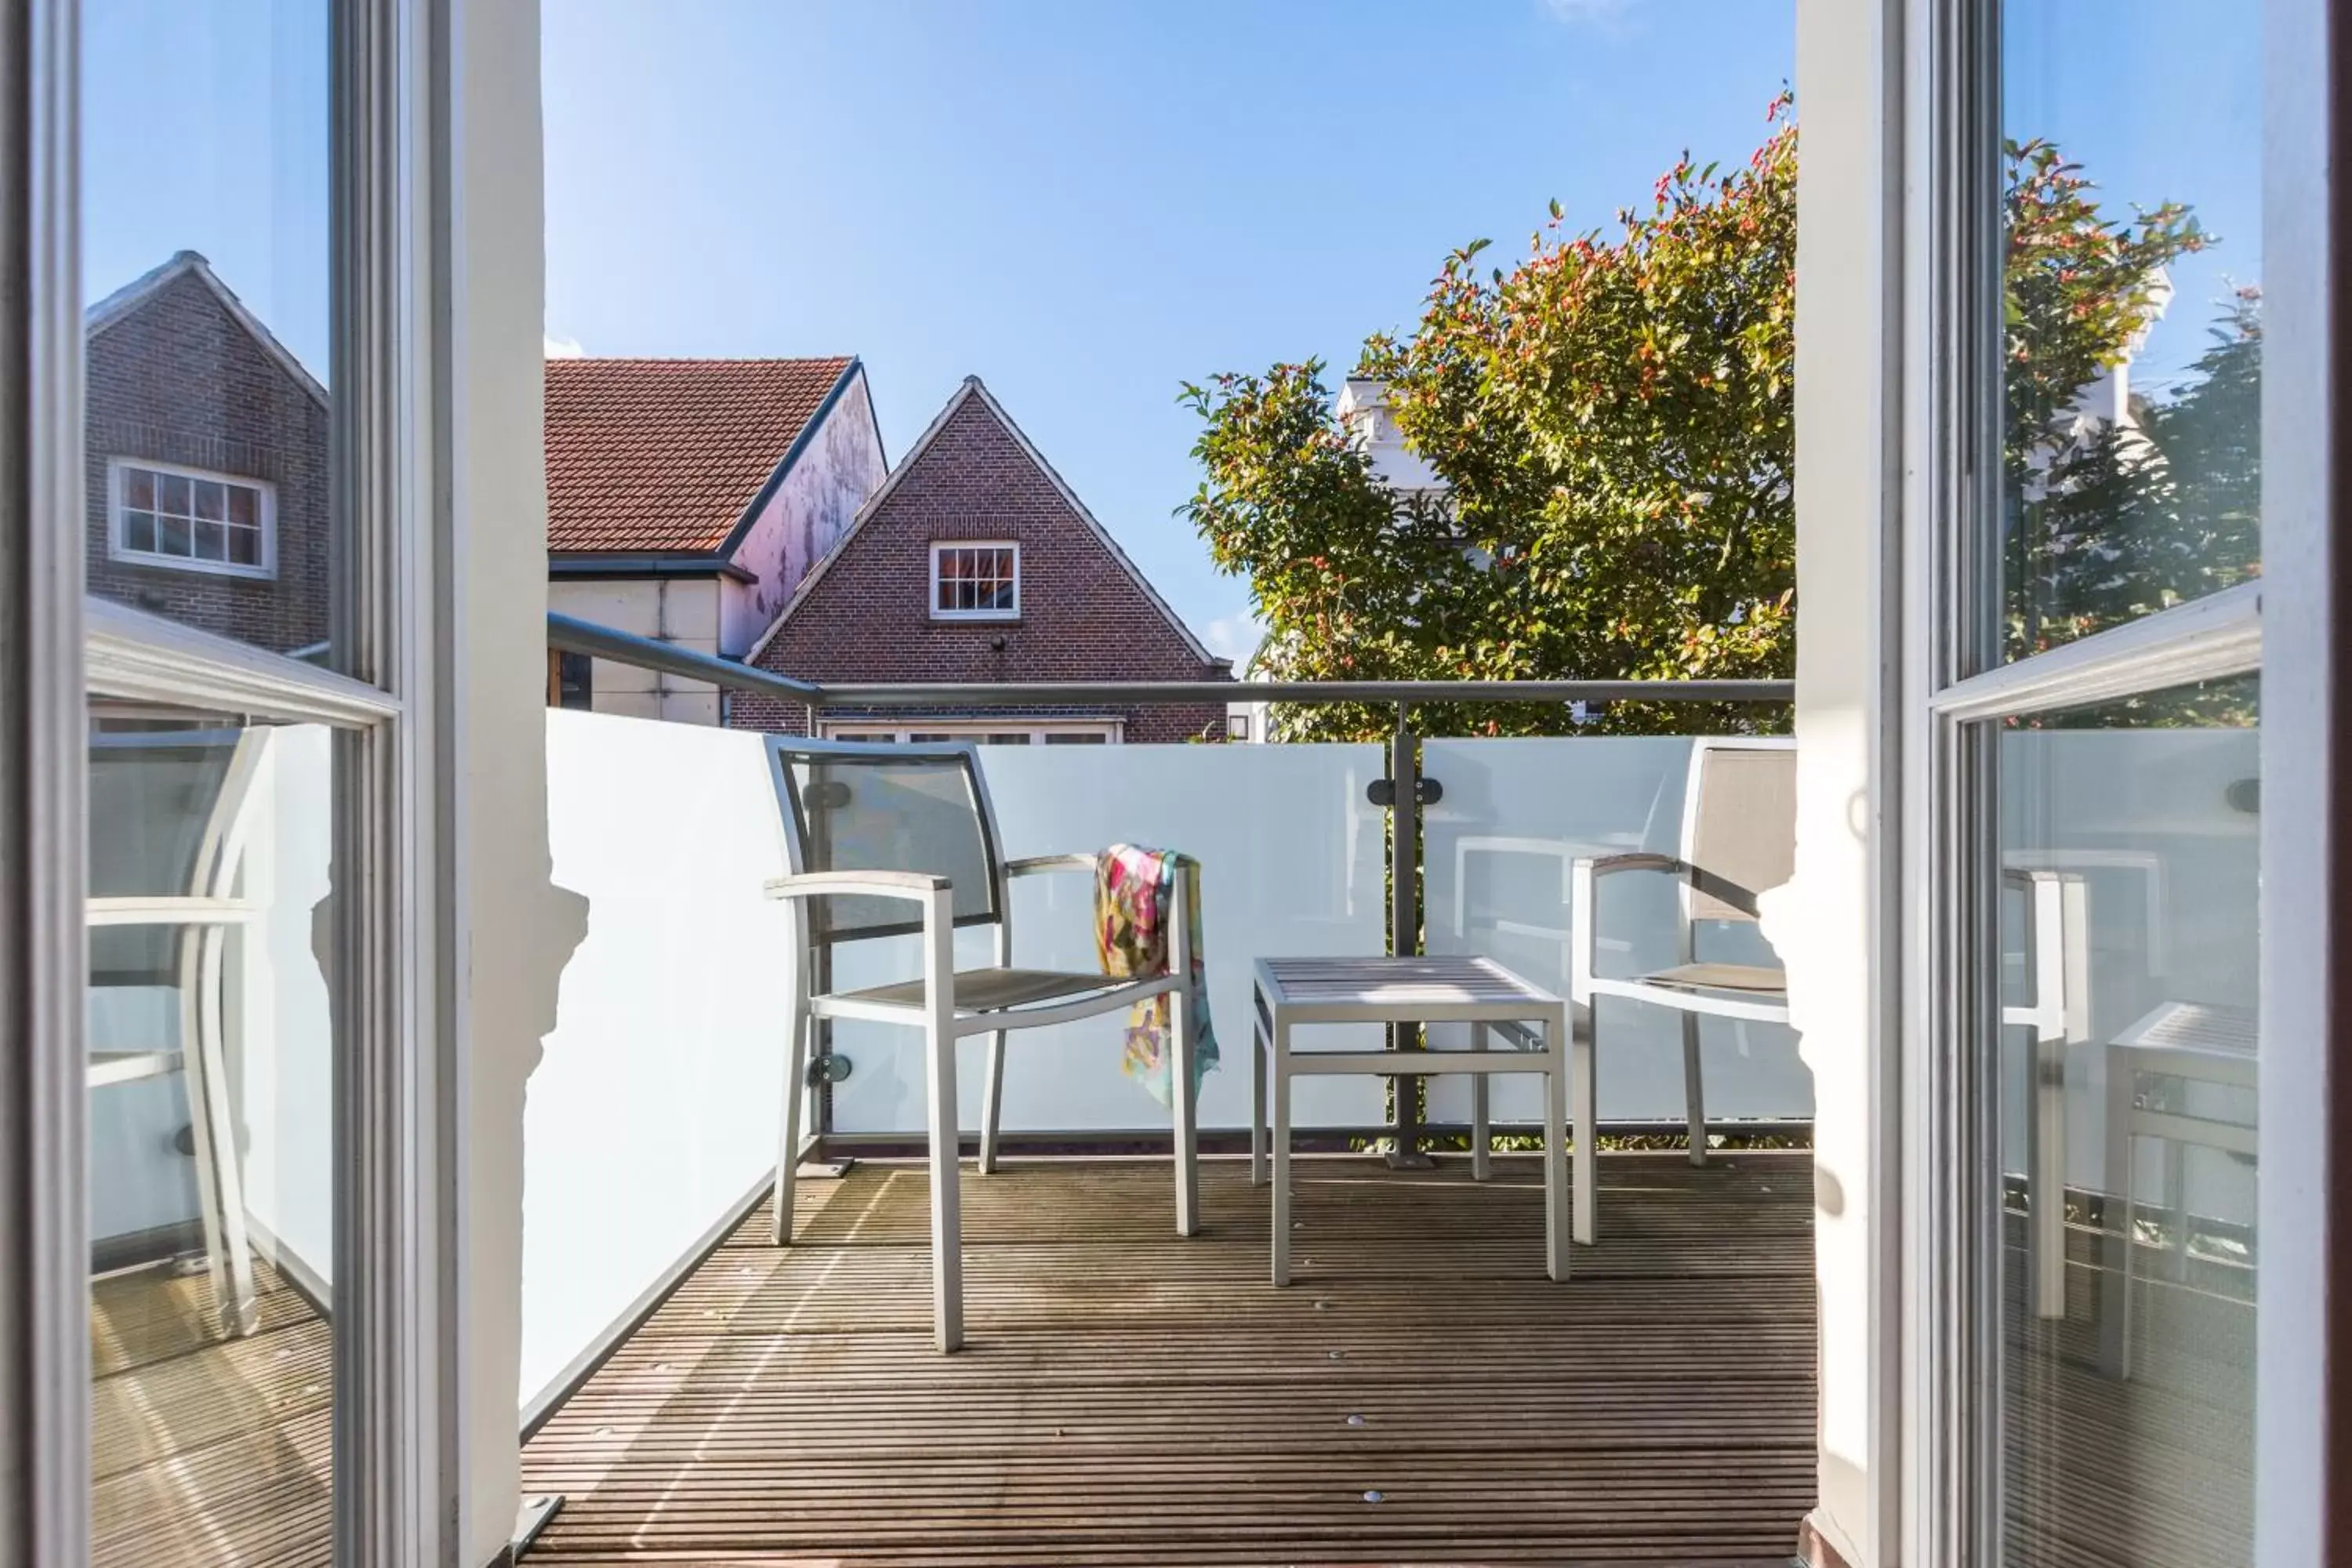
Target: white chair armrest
1039	864
1631	860
915	886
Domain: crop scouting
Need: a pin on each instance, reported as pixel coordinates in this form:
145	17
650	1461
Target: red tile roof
665	454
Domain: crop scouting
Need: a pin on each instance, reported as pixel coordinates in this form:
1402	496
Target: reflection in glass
2132	312
2128	1132
211	1143
206	259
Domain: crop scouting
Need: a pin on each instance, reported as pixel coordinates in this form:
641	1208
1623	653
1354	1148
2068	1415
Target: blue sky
1085	202
1088	202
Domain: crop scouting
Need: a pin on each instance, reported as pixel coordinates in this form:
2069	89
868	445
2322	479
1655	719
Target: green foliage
1613	420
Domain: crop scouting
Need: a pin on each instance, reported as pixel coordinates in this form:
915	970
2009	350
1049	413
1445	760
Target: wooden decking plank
1128	1396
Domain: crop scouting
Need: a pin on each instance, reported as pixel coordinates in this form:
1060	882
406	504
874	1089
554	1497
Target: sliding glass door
2091	805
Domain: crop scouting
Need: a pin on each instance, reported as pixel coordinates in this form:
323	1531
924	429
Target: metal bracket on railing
830	1068
1383	792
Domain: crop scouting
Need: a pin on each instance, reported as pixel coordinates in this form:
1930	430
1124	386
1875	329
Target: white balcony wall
1293	861
654	1106
1497	851
280	1028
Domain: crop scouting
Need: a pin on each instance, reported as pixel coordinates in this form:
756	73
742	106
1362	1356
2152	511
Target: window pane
138	531
211	1144
2127	1068
245	546
209	276
2132	301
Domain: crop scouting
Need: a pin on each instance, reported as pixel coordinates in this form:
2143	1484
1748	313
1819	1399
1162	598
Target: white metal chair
1739	840
162	900
886	840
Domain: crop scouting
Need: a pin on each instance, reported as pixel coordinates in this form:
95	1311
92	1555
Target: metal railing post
1404	927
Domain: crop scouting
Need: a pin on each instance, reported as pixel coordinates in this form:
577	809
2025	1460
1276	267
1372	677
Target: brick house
207	453
974	561
686	499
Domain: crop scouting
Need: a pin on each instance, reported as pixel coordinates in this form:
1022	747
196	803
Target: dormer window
975	580
162	515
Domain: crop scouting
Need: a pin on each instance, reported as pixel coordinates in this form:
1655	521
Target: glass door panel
211	1144
2131	312
2126	1070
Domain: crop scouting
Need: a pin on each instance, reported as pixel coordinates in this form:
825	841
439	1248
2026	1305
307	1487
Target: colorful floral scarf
1135	890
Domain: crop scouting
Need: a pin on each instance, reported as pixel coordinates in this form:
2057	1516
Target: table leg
1482	1138
1258	1049
1281	1088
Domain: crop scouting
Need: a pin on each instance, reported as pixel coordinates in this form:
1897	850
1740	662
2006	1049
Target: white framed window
161	514
975	580
984	731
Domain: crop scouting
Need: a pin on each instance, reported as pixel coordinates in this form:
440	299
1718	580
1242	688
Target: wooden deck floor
1421	1395
206	1451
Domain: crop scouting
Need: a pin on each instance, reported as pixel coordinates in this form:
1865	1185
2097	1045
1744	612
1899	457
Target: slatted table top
1426	988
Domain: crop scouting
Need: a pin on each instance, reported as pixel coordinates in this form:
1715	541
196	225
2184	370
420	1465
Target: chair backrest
176	803
1739	825
852	807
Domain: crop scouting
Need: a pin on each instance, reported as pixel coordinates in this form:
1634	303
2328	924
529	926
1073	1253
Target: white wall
1826	923
656	1103
511	929
809	513
681	610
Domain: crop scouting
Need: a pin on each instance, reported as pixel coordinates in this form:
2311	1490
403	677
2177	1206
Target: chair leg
1182	1093
1584	1099
2113	1296
1555	1151
798	1032
946	1140
1694	1090
1482	1139
1280	1072
1258	1106
211	1123
993	1103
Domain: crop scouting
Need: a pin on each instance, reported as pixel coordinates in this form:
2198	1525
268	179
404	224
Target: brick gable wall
1082	616
179	380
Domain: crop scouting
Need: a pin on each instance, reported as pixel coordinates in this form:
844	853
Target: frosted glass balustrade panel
654	1109
1496	854
1293	861
2158	826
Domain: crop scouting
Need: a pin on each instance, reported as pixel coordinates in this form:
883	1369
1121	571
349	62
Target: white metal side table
1437	989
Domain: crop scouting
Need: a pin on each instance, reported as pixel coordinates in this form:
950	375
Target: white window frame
1113	731
940	546
117	548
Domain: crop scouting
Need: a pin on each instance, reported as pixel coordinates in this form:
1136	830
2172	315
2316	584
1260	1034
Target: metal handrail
574	636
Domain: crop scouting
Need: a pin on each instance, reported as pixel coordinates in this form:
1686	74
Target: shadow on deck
1421	1393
